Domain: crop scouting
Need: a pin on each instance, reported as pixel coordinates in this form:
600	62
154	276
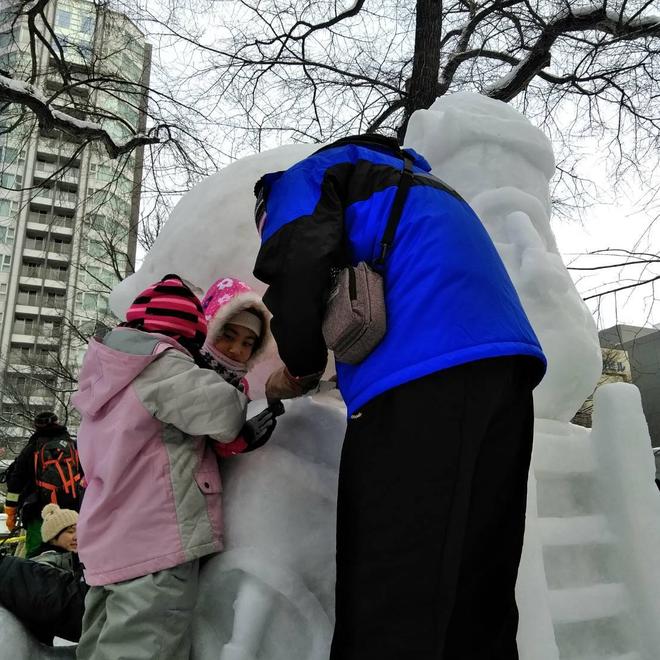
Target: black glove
257	430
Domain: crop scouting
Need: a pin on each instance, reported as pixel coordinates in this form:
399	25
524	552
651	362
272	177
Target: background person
47	594
60	539
46	471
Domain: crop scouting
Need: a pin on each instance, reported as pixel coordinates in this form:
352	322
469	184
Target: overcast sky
615	225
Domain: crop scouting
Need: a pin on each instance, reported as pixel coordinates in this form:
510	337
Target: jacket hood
418	160
114	362
379	143
51	430
371	141
227	297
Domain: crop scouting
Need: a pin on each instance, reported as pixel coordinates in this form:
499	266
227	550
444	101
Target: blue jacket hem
438	363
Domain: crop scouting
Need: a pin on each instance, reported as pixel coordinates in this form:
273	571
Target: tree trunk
423	82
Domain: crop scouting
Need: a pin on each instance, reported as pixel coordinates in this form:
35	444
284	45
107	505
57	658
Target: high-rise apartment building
68	213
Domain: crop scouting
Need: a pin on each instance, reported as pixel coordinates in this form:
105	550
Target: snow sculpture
211	230
274	584
589	582
502	166
587	587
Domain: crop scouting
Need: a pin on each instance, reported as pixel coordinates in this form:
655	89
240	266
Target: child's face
236	342
67	539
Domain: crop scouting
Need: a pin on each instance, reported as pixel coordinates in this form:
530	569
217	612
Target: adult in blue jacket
433	475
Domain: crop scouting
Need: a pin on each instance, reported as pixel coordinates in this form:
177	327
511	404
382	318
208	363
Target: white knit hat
249	319
55	520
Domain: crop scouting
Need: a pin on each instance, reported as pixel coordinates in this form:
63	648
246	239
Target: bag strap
397	208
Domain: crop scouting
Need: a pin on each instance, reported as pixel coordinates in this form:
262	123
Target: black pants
431	515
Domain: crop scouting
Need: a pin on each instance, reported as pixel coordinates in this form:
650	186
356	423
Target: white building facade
68	213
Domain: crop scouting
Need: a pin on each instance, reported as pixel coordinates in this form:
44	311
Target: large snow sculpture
270	595
211	230
580	587
588	583
502	166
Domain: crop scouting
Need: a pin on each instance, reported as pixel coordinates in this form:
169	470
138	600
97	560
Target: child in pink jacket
238	336
152	505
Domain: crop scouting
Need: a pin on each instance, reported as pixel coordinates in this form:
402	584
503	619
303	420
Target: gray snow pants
147	618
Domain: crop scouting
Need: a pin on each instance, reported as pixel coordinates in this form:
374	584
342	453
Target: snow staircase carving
589	606
596	601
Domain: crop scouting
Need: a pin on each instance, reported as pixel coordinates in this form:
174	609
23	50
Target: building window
94	302
7	235
23	326
8	154
87	25
96	248
5	264
63	18
105	173
4	208
6	39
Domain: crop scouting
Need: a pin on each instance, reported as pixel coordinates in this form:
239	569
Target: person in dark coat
433	474
46	470
47	593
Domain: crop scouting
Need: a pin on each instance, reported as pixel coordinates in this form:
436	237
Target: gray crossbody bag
355	317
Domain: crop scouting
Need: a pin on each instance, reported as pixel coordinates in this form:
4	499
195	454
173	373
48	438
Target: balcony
49	336
19	338
28	328
43	171
57	225
38	248
39	244
27	310
30	303
33	358
45	198
54	82
33	299
35	393
51	146
53	278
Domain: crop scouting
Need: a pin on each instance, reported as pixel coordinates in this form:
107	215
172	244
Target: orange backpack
57	471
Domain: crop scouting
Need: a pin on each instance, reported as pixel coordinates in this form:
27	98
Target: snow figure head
501	164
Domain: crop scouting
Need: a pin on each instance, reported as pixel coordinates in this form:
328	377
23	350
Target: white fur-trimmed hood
239	302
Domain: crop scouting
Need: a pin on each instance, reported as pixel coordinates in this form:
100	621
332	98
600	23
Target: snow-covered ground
589	580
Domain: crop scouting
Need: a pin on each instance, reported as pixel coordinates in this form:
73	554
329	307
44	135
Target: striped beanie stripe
171	308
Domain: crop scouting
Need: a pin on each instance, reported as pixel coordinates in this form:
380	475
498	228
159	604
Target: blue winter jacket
449	298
